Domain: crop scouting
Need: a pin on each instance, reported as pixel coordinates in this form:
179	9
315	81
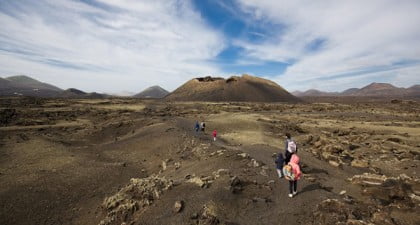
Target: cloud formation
106	45
127	45
333	45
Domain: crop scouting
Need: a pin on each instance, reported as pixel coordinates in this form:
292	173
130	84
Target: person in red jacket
214	135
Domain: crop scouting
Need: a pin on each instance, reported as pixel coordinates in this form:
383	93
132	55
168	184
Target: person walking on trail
290	149
203	127
279	164
292	173
197	126
214	135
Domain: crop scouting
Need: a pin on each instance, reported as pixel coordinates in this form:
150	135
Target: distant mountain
414	90
380	89
72	93
244	88
314	92
349	91
28	82
27	86
371	90
152	92
76	93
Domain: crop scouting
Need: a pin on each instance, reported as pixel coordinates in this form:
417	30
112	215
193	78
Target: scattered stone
335	164
220	172
235	185
244	155
254	163
353	147
177	165
343	192
394	139
368	179
194	216
163	165
178	206
197	181
359	163
209	215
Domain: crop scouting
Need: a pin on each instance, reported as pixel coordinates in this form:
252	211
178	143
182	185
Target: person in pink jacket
214	135
294	163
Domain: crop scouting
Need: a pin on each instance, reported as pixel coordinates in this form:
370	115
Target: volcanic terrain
131	161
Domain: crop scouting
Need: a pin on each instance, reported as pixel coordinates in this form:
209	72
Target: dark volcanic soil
128	161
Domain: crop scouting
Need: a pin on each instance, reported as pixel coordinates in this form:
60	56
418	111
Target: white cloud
112	46
357	35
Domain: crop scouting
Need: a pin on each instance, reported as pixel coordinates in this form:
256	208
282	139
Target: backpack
291	146
288	172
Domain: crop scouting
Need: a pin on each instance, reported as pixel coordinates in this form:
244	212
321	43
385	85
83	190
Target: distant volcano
26	86
245	88
152	92
371	90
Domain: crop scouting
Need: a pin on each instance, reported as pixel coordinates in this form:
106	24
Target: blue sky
125	46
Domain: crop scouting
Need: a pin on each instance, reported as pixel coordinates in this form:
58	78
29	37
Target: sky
125	46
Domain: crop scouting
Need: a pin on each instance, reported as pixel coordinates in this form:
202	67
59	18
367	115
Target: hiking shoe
290	195
295	193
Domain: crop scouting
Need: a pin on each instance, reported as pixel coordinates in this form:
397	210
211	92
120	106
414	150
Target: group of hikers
202	127
287	165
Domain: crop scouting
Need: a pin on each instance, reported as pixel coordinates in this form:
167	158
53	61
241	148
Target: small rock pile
139	193
402	191
393	200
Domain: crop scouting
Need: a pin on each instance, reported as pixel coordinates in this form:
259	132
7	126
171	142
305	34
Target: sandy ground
62	160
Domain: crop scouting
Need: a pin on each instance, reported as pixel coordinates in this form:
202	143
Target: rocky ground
128	161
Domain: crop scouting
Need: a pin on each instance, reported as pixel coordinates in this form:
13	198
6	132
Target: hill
380	89
28	82
152	92
27	86
371	90
245	88
313	92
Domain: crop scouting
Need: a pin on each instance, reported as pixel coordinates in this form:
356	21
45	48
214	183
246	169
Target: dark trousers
287	155
292	186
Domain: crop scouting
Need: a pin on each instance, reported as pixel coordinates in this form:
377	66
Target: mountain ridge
374	89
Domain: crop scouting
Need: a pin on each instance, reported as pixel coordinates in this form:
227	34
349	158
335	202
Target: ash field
134	161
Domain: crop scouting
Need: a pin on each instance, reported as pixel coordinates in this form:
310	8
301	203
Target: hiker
197	126
214	135
292	173
290	149
203	126
279	164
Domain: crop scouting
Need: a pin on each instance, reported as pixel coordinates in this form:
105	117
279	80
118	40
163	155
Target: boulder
197	181
178	206
235	185
359	163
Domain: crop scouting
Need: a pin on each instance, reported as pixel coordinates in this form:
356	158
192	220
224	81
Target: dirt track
61	158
